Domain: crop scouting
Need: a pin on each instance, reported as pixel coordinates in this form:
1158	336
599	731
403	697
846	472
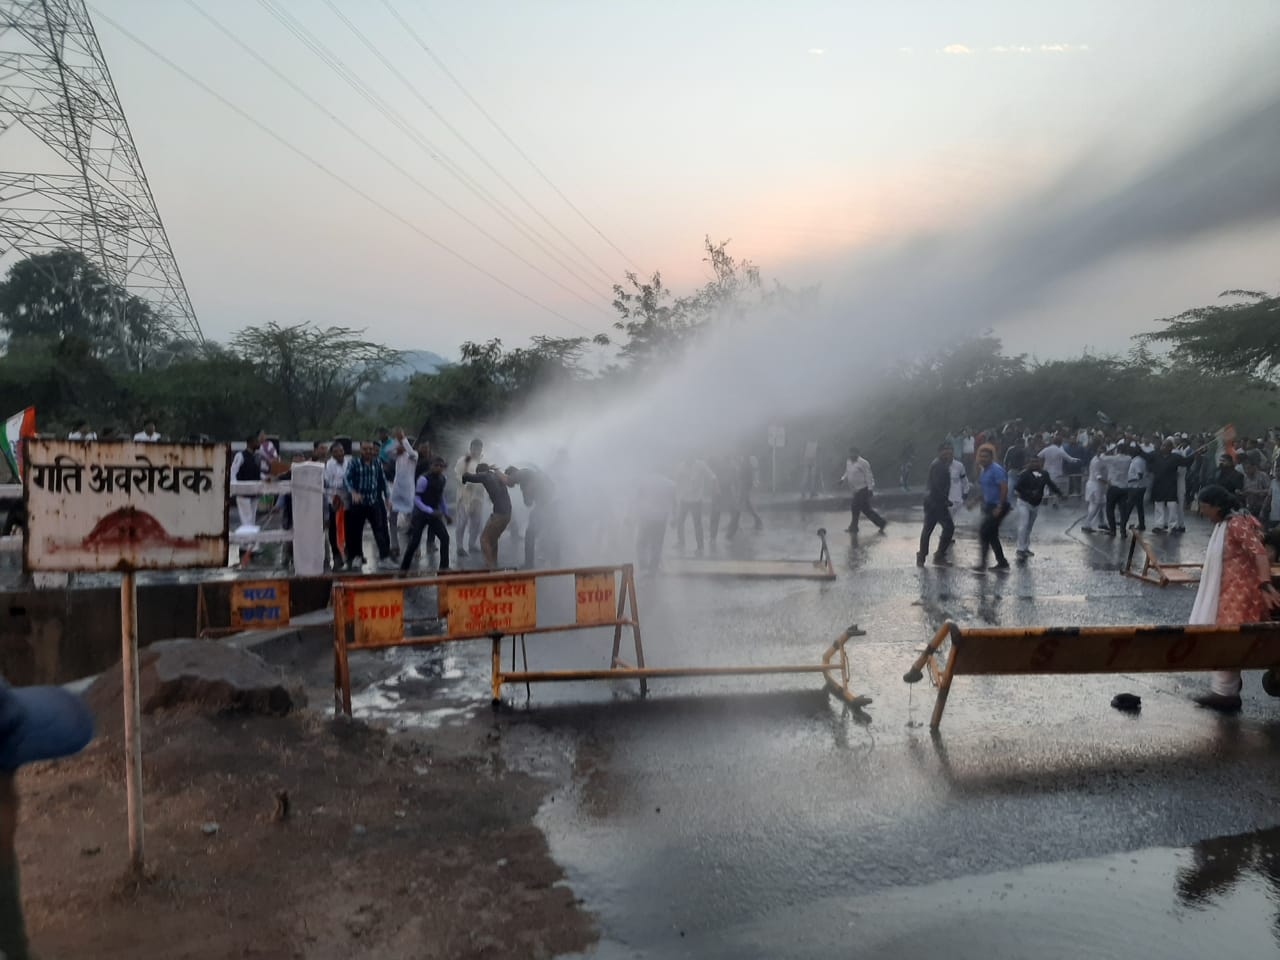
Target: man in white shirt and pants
471	499
1055	461
405	458
1095	495
336	499
857	474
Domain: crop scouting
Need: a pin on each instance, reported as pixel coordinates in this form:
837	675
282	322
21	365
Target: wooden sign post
125	507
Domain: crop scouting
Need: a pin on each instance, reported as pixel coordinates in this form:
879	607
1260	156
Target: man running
857	474
1054	460
1032	483
937	507
993	482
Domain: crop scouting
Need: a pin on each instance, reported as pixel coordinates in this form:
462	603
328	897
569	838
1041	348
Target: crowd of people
395	488
1119	474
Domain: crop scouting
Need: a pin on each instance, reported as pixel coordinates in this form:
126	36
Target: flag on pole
16	429
1225	443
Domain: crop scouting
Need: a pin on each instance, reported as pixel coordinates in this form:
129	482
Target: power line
505	136
299	152
331	60
381	155
360	35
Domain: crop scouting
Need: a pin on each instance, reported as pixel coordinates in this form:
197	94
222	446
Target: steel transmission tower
54	82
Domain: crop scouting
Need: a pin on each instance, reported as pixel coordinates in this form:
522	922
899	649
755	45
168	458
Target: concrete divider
56	636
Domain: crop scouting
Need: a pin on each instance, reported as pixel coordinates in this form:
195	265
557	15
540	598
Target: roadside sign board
125	506
499	606
597	600
260	603
777	436
378	617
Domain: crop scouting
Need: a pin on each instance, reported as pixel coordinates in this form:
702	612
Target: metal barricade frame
626	615
1174	648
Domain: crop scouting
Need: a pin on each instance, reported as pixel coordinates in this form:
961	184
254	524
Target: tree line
80	349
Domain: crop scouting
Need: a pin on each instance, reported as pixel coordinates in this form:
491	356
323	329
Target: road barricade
370	615
253	605
1023	651
1159	573
820	569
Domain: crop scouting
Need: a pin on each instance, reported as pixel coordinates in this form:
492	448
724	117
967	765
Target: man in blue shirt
994	483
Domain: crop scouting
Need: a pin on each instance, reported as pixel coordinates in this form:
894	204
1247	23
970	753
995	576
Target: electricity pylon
93	195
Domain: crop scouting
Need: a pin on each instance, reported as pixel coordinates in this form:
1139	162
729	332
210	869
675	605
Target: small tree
313	374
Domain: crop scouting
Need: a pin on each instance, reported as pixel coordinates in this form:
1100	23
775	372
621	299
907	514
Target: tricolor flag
1225	442
16	429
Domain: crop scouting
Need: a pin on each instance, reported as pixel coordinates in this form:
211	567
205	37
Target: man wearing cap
36	723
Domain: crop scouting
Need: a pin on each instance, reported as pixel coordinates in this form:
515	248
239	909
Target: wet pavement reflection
757	816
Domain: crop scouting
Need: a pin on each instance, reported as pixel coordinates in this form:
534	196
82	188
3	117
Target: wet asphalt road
760	817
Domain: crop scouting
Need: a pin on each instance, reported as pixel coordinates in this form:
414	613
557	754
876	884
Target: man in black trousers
937	508
430	513
857	474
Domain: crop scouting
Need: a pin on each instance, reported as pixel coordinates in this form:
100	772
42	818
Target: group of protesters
1118	474
1234	487
396	488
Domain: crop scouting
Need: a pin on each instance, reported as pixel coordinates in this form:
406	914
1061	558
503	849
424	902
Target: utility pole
84	189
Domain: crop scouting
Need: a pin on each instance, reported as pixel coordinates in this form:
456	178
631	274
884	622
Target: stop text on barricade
371	614
1023	651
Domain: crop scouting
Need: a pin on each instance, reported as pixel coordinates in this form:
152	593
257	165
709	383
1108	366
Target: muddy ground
392	846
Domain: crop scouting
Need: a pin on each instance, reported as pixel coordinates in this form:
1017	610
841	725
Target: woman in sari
1235	585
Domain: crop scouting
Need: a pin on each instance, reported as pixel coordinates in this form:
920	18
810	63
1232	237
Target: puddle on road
398	698
1218	898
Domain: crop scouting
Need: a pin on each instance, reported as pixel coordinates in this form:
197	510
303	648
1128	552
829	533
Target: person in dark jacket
1015	459
430	512
1164	485
1228	476
1032	483
937	507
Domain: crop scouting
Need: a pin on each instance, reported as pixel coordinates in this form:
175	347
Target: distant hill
394	389
416	361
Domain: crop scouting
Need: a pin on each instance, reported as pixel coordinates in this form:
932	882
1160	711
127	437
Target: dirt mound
292	837
203	675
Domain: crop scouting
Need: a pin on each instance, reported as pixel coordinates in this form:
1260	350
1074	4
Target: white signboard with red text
103	506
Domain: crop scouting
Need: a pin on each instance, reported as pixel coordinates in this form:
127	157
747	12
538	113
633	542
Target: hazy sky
807	133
